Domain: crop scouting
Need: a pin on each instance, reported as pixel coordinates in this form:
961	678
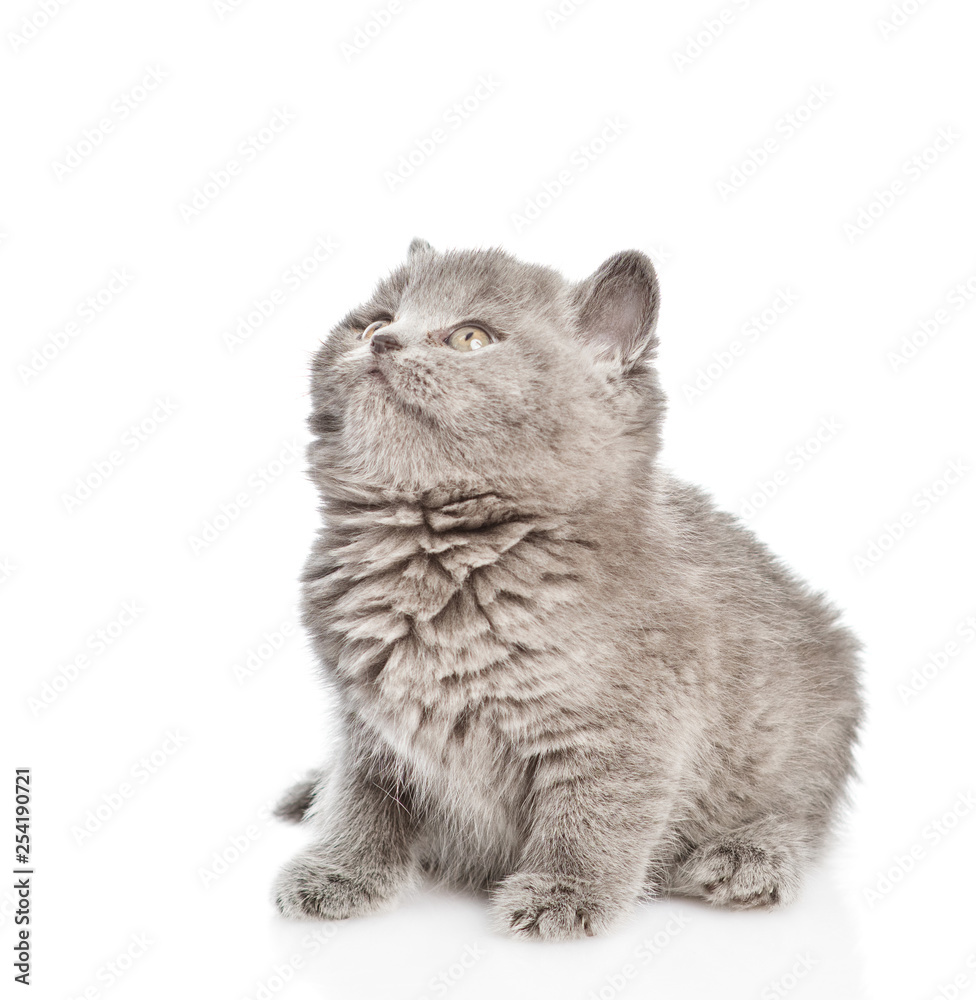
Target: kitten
563	676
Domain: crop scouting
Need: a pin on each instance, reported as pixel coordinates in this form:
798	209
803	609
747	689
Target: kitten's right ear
417	245
618	306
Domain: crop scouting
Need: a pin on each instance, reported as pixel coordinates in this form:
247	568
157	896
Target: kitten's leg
591	824
362	857
760	864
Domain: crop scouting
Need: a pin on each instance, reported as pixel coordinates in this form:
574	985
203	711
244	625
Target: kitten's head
473	371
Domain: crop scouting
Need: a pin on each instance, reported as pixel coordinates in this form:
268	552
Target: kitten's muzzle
380	343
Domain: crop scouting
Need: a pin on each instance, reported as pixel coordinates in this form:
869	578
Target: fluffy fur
564	677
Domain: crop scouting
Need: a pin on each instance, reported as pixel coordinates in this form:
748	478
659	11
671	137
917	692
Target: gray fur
564	676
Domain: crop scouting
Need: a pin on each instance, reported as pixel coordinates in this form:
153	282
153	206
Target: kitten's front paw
310	885
538	905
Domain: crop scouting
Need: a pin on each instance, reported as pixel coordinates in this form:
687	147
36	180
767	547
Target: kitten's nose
383	342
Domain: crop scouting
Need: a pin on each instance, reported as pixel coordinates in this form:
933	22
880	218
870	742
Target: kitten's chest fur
441	624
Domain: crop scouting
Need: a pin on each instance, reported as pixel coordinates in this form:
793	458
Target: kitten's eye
373	327
469	338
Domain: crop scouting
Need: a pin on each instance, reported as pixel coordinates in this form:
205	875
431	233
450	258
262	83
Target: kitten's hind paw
738	875
539	905
294	805
309	886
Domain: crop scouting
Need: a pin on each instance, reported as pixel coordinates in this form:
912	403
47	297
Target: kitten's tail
295	804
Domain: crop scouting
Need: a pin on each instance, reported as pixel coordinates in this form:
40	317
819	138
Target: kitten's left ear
618	306
417	245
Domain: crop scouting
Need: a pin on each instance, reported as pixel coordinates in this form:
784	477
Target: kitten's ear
417	245
617	308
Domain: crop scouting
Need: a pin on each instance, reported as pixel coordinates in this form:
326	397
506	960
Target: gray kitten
564	677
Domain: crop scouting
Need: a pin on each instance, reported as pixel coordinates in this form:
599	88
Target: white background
890	914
